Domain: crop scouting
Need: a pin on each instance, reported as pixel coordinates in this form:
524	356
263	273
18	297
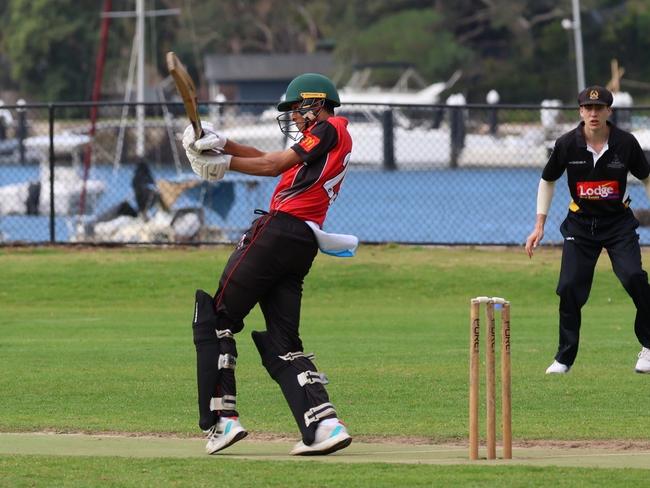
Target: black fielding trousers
268	267
584	238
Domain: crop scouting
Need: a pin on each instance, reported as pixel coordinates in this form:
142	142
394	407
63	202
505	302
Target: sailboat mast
139	148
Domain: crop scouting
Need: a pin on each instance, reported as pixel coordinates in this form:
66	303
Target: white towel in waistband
339	245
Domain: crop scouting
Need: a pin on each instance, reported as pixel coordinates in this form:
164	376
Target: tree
515	46
621	33
415	36
5	77
49	44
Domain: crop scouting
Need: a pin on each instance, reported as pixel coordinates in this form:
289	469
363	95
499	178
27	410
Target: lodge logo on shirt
308	142
577	162
597	190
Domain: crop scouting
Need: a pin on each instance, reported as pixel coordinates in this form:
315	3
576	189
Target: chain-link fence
113	173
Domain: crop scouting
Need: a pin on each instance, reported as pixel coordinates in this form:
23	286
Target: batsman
269	265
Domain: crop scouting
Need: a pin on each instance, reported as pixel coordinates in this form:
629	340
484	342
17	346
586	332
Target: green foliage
414	36
50	44
625	37
516	47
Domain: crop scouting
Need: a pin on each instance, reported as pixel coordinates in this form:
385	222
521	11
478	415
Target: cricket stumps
490	377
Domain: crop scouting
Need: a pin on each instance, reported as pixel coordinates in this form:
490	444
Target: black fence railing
419	174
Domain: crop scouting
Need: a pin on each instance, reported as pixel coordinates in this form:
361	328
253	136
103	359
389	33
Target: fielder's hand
533	240
536	235
211	140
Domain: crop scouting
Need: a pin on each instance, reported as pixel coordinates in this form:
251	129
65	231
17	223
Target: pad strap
317	413
227	402
311	377
227	361
221	334
290	356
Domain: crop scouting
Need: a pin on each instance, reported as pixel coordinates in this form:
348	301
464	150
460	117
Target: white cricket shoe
224	433
330	437
557	368
643	364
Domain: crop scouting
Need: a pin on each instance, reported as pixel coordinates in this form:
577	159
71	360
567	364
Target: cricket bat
187	90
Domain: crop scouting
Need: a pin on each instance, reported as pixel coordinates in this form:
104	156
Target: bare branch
539	18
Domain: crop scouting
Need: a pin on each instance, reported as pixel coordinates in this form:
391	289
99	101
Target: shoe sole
640	371
238	437
342	444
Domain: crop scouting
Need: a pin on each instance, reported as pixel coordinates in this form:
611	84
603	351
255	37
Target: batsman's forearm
256	166
265	164
241	150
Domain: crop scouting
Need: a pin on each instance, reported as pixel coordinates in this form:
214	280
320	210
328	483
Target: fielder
269	265
597	157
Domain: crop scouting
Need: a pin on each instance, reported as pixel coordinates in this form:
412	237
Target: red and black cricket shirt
307	189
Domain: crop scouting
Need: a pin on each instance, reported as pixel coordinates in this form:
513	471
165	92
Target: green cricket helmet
310	91
309	86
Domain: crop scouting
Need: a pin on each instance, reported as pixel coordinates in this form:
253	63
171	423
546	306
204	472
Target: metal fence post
21	130
492	98
456	134
389	146
51	124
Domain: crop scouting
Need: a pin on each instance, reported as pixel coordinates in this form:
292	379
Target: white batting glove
211	140
211	167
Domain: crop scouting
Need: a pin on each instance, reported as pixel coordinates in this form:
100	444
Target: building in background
255	77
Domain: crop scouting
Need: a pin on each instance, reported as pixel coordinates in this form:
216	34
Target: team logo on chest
598	190
615	163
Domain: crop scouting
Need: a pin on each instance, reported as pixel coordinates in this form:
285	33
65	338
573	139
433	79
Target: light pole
576	26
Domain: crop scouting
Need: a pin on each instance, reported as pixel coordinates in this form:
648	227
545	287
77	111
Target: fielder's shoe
643	364
557	368
224	433
330	437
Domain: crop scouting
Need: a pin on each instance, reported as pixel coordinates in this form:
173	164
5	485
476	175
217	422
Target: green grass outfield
99	341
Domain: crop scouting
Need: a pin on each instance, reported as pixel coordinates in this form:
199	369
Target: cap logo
593	95
313	95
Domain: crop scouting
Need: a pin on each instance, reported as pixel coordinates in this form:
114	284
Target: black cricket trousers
584	239
267	267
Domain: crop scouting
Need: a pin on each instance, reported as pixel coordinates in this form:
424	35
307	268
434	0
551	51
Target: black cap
595	95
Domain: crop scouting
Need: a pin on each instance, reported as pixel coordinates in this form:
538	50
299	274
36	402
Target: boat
32	197
421	131
359	93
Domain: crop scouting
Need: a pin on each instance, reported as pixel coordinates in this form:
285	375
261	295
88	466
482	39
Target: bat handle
198	130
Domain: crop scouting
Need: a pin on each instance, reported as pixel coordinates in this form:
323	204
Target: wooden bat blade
186	89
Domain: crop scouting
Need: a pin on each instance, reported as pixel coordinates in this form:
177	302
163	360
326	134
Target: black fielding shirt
601	189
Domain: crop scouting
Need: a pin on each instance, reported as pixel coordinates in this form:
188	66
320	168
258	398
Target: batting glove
210	167
211	140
